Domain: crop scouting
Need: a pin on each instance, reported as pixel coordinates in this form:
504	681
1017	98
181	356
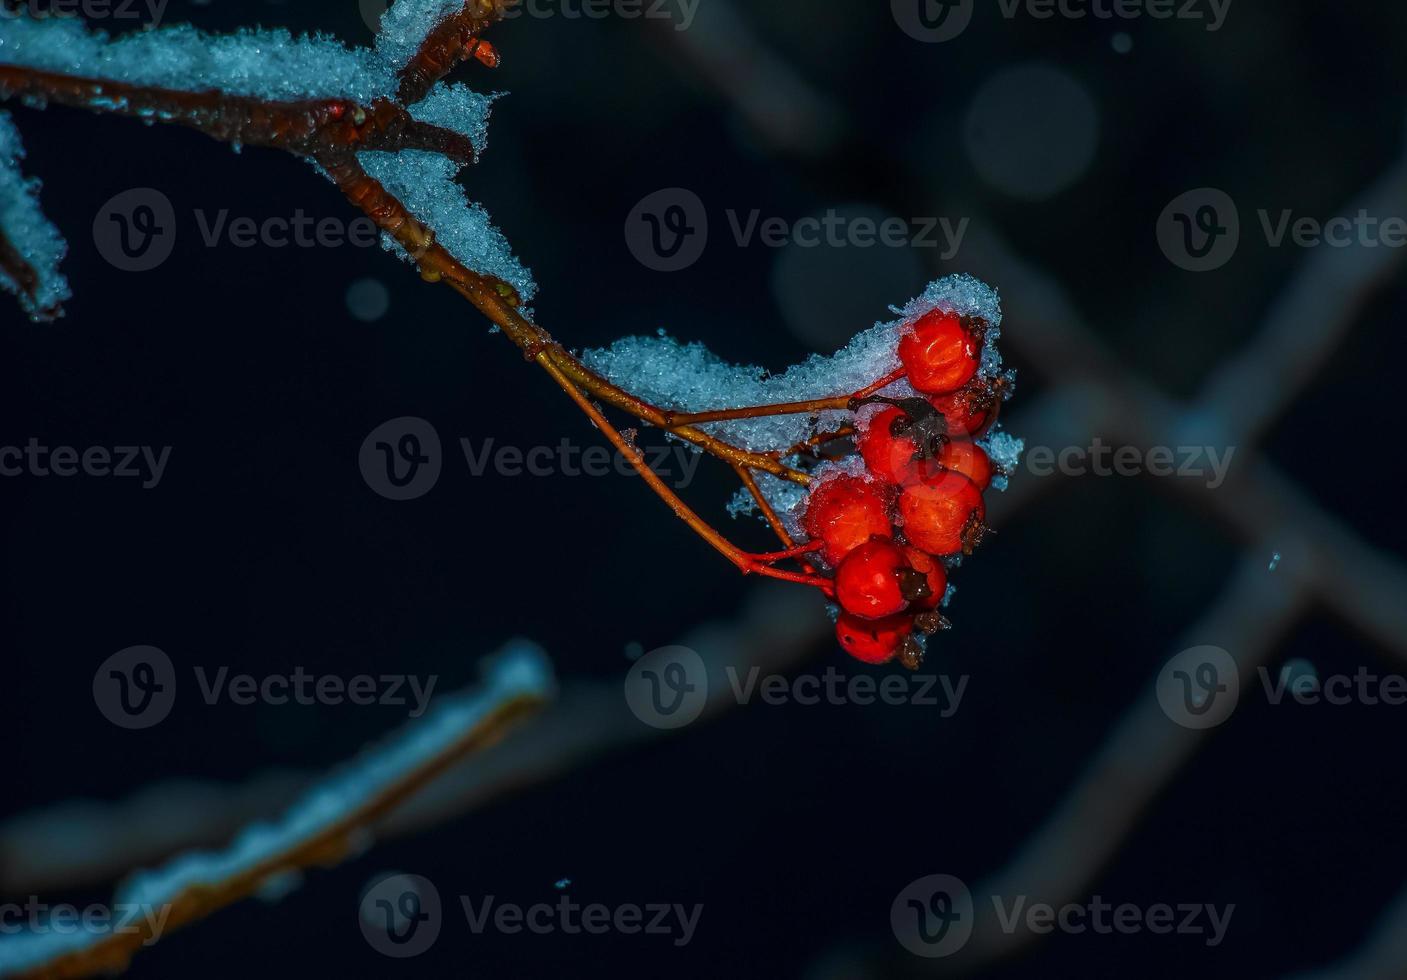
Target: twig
311	835
777	629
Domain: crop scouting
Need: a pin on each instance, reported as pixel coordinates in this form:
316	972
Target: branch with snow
383	108
332	821
30	247
776	631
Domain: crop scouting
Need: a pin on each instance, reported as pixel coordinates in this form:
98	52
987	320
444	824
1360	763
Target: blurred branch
777	630
1139	759
80	843
328	824
775	101
1380	957
1309	320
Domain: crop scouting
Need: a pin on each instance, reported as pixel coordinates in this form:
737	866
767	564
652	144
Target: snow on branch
329	823
30	247
383	108
407	25
273	65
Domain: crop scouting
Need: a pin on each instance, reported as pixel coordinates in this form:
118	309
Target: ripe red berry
844	512
966	412
940	354
966	457
868	582
873	641
888	455
943	513
936	573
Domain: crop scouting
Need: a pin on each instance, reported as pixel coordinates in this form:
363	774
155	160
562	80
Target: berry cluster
893	530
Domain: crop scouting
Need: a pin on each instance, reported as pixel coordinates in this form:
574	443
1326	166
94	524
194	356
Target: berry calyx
931	622
966	457
843	513
943	513
967	411
910	653
875	580
872	641
940	354
934	572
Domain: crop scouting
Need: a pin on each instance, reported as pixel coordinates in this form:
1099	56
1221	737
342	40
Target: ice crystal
24	226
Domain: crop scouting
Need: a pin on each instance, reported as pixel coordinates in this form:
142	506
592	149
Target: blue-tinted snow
36	240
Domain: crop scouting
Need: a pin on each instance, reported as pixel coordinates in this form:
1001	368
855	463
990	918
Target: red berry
873	641
888	456
844	512
867	583
937	575
940	354
966	457
943	513
964	411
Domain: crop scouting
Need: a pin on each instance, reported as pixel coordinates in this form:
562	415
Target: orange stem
764	505
838	403
746	563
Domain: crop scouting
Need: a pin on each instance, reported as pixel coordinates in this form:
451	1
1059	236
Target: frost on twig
329	823
385	107
30	247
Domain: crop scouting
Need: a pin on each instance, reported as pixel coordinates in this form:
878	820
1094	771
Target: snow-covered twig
776	630
30	247
333	820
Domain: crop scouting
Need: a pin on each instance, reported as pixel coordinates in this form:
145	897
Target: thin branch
1308	320
26	279
764	505
814	406
454	40
306	128
515	690
1059	862
35	856
746	563
776	630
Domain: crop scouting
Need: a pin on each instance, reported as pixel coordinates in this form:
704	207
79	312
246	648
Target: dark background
263	548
